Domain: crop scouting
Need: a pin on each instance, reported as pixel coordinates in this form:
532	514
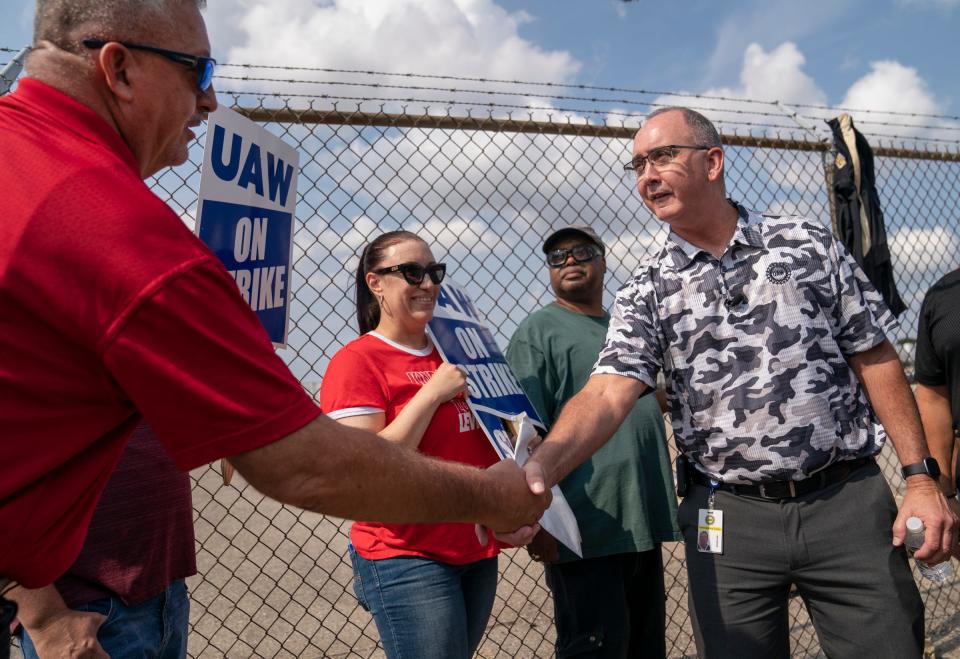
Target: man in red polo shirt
110	309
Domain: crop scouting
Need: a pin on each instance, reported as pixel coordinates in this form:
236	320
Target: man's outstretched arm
586	422
350	473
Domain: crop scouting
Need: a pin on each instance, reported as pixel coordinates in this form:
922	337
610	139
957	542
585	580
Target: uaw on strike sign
496	397
505	413
248	192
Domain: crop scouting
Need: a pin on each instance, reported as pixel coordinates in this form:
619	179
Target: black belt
835	473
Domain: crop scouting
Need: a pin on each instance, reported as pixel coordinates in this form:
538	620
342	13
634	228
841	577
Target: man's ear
715	158
116	64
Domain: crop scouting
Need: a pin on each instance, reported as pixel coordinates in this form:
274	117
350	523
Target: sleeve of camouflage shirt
862	320
633	346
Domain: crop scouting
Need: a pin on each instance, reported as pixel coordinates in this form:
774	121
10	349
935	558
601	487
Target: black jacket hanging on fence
858	222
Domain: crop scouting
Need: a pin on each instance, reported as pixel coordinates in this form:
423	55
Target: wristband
928	467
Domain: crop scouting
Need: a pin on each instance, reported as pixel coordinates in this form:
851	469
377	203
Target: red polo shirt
109	308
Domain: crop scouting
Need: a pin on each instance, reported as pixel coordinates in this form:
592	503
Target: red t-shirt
372	374
141	536
109	308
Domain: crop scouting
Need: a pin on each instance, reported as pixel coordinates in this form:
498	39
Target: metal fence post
12	70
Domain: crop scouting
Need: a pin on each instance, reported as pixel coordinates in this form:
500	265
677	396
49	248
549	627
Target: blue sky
656	46
813	51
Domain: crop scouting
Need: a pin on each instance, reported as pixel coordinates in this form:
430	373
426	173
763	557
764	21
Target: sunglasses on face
414	272
202	66
556	258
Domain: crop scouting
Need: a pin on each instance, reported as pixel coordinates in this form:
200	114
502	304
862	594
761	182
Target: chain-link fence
484	189
484	193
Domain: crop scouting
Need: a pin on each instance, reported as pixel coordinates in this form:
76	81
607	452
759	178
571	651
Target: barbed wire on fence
765	115
573	85
569	114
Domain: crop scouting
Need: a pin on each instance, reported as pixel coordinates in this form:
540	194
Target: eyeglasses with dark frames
414	272
202	66
659	157
556	258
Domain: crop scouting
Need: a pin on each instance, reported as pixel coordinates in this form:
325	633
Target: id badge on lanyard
710	525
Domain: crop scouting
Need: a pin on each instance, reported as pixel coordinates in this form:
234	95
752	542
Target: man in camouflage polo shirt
779	375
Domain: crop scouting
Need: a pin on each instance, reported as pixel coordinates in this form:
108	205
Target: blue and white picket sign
248	195
495	394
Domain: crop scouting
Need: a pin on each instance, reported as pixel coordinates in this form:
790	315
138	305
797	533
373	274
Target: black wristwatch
927	467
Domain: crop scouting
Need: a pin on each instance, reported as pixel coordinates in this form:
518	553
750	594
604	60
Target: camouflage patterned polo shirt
753	348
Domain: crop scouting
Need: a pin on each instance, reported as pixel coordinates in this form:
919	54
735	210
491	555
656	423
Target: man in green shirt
611	603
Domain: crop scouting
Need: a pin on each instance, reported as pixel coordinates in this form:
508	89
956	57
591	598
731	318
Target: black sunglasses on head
556	258
203	66
414	272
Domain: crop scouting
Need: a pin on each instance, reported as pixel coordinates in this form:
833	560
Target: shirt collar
682	252
73	116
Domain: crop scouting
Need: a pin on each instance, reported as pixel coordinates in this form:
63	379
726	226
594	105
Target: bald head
703	130
65	23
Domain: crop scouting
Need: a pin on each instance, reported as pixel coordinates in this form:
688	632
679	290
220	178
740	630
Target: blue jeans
155	629
426	609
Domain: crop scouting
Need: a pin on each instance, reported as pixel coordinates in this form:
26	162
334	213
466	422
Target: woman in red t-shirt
430	587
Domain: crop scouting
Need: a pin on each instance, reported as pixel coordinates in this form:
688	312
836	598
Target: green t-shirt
622	496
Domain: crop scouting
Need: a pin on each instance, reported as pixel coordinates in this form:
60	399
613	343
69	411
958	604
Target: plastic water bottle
940	573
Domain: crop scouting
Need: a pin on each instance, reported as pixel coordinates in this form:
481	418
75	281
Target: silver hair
704	132
65	23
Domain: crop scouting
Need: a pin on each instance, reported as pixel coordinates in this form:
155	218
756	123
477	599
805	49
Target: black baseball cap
574	231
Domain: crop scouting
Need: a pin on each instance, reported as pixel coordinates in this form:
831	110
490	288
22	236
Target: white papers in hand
558	520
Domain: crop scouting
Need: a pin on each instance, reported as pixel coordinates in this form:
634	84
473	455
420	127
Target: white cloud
885	96
774	21
473	38
895	88
777	76
922	251
630	247
768	77
802	171
920	257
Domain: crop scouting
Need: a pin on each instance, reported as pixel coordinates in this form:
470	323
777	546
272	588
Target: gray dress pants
833	544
